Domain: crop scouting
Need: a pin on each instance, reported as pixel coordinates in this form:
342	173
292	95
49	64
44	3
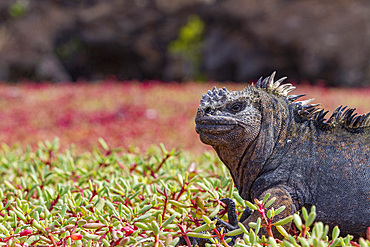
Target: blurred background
133	71
174	40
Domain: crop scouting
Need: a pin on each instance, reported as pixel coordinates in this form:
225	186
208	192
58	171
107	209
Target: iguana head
233	119
228	118
243	126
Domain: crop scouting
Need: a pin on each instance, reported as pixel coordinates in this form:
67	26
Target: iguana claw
231	225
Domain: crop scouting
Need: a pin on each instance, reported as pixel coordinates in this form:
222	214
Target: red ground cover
124	114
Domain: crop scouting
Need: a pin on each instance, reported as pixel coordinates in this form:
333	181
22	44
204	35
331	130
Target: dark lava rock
63	40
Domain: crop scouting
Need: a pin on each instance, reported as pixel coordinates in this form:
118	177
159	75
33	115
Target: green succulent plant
108	197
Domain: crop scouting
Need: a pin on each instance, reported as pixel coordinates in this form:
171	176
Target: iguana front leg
231	225
283	198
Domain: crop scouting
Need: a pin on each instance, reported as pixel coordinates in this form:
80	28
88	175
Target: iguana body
272	144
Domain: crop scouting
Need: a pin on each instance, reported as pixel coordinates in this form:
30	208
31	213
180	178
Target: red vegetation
76	236
25	232
123	114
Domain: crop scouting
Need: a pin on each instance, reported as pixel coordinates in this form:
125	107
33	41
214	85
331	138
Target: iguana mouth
214	129
214	126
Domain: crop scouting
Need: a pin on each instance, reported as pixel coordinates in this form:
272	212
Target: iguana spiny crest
235	101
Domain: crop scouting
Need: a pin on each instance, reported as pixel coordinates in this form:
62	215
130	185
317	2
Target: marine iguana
272	143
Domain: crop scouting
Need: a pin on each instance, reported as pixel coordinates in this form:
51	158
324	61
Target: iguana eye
236	107
208	110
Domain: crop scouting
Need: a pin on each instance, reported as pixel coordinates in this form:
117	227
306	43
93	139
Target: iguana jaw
214	129
217	131
214	125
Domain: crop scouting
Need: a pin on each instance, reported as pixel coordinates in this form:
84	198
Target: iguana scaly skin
273	144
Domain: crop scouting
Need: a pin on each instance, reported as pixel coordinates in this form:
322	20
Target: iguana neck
246	162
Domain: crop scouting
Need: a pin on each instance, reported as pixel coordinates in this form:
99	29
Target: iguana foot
231	213
233	219
229	226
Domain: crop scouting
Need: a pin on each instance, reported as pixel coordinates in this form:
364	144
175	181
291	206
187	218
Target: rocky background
223	40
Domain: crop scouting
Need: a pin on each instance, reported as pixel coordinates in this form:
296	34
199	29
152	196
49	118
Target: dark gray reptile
272	143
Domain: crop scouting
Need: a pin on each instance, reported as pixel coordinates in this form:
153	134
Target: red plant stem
51	155
163	161
221	237
121	165
183	233
52	240
156	240
74	228
52	204
165	204
93	195
105	234
195	221
269	231
6	239
2	240
304	229
269	228
187	240
181	192
355	244
261	210
268	222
